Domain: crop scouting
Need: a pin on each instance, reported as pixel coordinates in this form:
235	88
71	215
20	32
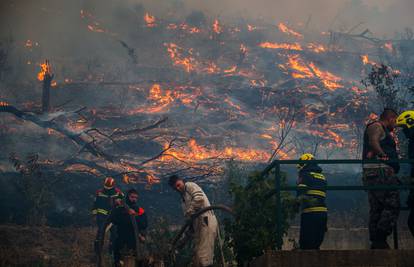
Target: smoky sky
62	34
383	17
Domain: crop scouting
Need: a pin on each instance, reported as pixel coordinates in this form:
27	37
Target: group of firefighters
127	221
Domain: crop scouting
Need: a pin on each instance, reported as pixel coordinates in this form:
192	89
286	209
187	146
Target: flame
230	70
188	63
365	60
251	28
329	80
44	69
260	83
329	135
303	70
194	152
243	49
266	136
212	68
82	168
389	47
149	20
216	27
300	69
28	44
317	48
160	99
92	24
295	46
283	28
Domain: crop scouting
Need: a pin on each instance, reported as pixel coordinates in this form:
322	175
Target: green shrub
253	229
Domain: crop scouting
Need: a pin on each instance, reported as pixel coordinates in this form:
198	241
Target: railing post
395	236
278	184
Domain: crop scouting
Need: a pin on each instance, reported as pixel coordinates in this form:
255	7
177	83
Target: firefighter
311	195
204	226
406	122
105	201
384	210
122	217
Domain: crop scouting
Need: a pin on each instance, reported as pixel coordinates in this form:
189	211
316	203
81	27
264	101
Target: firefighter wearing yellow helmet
311	195
406	121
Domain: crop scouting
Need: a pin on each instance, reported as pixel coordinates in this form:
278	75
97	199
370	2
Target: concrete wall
338	258
351	238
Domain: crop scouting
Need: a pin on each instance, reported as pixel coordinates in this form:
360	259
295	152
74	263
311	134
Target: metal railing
279	188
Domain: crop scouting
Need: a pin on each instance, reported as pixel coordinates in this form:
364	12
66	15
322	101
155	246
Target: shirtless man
384	205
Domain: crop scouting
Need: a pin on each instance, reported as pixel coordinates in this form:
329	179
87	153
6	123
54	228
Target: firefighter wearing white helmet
406	121
311	195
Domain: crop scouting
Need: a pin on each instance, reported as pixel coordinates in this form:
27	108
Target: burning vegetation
186	94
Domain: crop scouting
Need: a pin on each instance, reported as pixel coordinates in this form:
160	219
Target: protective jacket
105	200
122	219
205	226
311	194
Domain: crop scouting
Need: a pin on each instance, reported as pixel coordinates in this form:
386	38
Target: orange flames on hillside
301	70
194	152
160	100
175	52
295	46
285	29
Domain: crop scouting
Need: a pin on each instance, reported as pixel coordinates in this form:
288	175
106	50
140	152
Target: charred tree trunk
47	81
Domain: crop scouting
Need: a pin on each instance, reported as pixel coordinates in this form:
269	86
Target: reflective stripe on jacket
105	200
312	193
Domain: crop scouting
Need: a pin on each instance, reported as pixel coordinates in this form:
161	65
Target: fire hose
101	235
190	221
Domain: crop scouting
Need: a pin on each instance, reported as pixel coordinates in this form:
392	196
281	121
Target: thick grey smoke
61	33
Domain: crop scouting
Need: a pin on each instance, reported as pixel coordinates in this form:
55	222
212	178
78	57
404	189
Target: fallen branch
139	130
48	123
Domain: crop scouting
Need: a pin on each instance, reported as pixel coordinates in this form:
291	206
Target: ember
149	20
294	46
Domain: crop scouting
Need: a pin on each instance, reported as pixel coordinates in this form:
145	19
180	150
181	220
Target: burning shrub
390	86
253	230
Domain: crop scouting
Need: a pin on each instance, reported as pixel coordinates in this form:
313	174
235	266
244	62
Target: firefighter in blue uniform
106	199
311	195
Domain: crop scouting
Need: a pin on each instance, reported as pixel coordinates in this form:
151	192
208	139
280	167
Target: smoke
57	26
53	16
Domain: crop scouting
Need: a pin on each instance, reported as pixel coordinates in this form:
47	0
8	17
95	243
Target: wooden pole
46	92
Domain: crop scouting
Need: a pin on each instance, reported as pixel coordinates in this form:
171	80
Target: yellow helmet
306	156
406	119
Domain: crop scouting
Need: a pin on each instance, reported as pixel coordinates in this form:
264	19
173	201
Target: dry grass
46	246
